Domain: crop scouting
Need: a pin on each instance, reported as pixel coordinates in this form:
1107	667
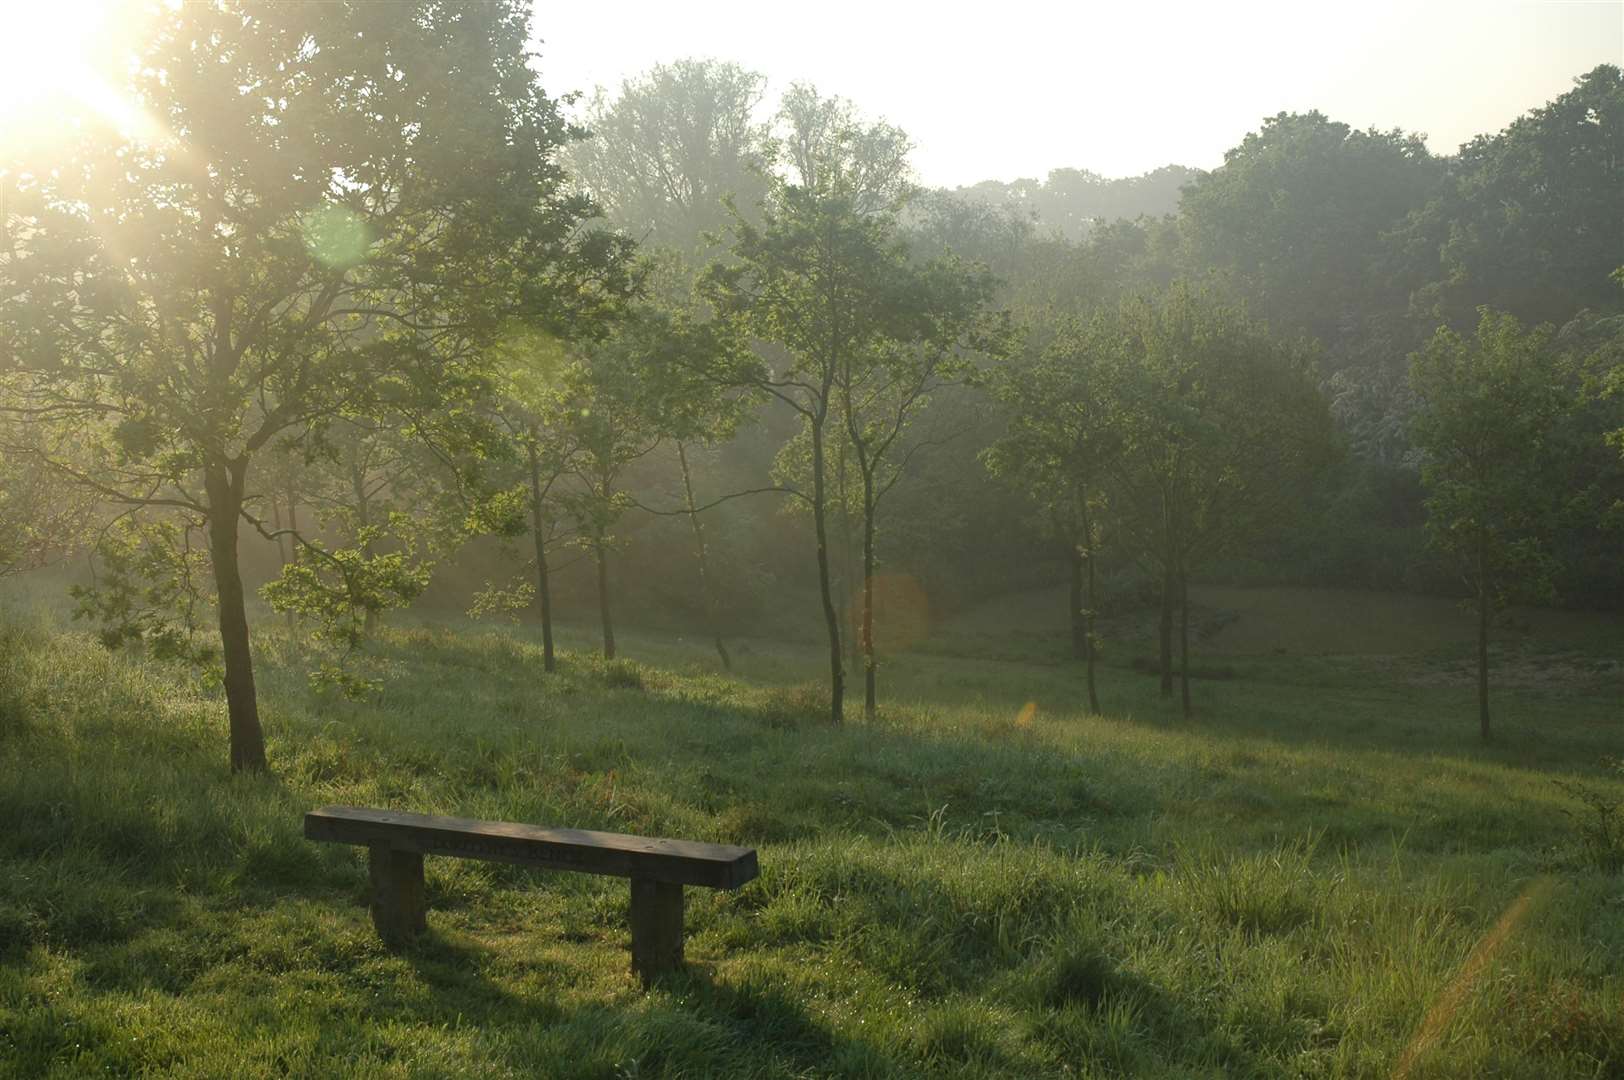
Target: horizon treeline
364	292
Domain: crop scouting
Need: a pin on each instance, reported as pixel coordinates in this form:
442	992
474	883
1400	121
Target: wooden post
398	908
656	928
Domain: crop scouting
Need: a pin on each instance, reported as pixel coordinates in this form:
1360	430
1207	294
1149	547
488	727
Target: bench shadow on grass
766	1019
452	966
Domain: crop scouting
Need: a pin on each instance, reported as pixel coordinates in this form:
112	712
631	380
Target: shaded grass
1285	887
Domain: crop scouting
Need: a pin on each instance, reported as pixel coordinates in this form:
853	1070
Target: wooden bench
397	842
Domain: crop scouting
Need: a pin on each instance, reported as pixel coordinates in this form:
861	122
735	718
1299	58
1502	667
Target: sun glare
59	58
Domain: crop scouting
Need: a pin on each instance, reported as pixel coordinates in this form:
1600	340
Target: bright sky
1016	88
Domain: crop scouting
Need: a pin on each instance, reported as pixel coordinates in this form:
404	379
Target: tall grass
1291	885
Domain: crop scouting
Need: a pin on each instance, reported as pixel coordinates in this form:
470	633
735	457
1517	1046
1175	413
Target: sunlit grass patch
1286	886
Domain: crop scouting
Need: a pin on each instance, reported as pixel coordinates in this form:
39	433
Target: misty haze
875	541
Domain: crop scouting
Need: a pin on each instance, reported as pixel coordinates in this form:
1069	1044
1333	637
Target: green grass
1292	884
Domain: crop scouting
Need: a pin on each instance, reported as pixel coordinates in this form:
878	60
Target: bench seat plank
677	862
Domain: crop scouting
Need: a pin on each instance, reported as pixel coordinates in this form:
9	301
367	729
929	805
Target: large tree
295	236
672	147
1529	219
1299	212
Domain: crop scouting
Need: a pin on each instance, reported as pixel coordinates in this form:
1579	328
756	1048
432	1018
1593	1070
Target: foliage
1299	211
1075	202
502	601
1517	225
859	331
268	255
1486	410
672	148
42	516
337	590
149	590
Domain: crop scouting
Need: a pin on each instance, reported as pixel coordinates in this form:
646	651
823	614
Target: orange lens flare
1444	1009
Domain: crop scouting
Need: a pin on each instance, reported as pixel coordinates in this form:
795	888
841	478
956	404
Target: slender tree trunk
1184	639
1089	606
283	544
1079	628
712	614
846	594
870	661
538	530
223	484
1165	628
293	541
1482	641
602	552
363	520
837	676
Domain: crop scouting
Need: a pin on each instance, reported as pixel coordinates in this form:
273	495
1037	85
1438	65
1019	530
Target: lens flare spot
901	613
335	236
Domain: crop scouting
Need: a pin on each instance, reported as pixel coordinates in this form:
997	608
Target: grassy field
1322	874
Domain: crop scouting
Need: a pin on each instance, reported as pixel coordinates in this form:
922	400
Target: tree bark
712	614
601	550
837	675
1184	639
223	484
1482	641
870	662
1088	630
1088	601
1079	628
293	542
847	592
363	521
538	531
1165	628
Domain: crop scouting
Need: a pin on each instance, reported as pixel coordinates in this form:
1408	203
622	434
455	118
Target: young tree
1486	407
822	279
940	314
527	402
1063	439
296	237
691	409
398	486
1223	426
610	412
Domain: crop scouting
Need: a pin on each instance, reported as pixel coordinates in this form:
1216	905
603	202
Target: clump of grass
791	707
622	674
1261	893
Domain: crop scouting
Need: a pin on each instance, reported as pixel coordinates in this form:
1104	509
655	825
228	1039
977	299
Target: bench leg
398	909
656	928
